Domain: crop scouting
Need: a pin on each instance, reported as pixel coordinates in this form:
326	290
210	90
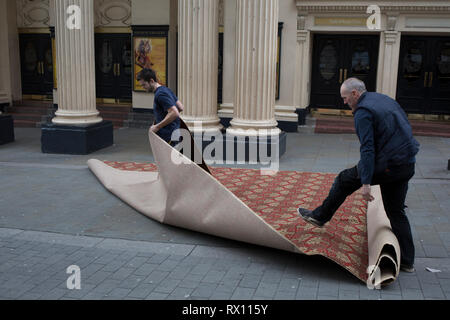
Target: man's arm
180	106
364	130
172	115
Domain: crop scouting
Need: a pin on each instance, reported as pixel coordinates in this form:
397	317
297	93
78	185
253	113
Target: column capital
391	36
302	35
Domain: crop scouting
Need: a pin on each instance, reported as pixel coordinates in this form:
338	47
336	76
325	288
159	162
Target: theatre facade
238	65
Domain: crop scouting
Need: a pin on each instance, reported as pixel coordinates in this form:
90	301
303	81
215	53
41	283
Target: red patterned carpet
276	198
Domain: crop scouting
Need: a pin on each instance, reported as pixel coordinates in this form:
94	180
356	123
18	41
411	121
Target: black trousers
394	186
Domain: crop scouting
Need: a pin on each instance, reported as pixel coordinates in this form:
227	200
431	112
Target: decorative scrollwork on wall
113	13
33	13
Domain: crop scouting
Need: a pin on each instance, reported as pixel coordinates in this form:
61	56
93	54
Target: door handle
430	82
115	73
340	75
118	69
425	79
39	68
345	74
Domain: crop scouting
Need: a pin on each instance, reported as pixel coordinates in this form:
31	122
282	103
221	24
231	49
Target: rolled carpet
244	205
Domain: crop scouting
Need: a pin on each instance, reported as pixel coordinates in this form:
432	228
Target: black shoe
407	268
307	216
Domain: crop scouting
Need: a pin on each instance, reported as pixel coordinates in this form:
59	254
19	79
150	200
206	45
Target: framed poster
150	50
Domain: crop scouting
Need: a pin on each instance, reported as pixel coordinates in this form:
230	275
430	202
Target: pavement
54	214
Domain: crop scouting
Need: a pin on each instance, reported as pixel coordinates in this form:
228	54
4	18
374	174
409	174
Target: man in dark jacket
388	151
166	107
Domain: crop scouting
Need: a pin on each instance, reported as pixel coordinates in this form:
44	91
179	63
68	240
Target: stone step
27	116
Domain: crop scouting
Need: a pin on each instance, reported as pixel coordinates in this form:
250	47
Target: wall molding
33	13
112	13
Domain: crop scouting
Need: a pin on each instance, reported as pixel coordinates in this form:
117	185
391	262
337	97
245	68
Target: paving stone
243	293
387	296
289	284
119	293
179	272
145	269
214	276
201	269
412	294
367	294
142	290
122	273
306	293
54	294
188	283
180	293
156	277
348	295
204	290
221	295
285	295
78	294
106	286
266	289
167	286
98	277
433	291
435	251
157	296
158	258
132	282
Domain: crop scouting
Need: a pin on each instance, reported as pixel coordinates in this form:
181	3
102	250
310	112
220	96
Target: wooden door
113	58
337	58
36	64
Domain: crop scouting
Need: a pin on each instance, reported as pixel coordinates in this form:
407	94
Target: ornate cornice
354	6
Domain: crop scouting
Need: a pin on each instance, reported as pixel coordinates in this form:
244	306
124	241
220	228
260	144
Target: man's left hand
366	193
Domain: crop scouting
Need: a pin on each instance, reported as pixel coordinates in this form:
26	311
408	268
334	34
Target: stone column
229	50
255	68
77	127
302	68
5	85
198	62
390	46
75	58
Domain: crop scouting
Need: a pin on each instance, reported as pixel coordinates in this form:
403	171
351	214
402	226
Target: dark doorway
337	58
36	57
113	64
423	84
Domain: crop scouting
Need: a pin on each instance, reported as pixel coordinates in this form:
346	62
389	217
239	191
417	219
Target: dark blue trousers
394	186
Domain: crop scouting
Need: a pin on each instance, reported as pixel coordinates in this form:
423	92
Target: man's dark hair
146	75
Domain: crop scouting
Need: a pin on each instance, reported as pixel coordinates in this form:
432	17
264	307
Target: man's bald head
351	90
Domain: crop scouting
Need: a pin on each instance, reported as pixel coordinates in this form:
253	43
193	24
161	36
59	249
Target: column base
78	140
230	148
6	129
302	112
